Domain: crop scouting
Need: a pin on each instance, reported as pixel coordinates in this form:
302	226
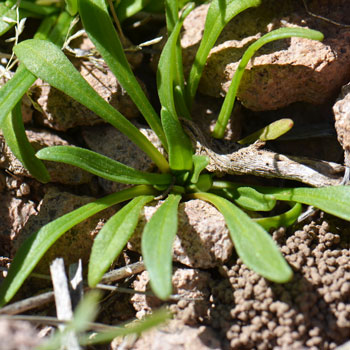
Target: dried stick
253	160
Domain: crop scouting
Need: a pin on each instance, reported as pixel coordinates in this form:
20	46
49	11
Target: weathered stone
76	243
107	140
18	335
282	72
176	336
59	172
14	214
190	285
202	239
341	111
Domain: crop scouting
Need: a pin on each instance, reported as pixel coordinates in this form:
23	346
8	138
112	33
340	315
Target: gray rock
341	111
59	172
282	72
18	335
14	213
202	240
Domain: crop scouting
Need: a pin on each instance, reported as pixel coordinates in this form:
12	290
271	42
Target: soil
218	302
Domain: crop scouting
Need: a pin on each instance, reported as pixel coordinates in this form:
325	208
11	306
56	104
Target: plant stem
228	104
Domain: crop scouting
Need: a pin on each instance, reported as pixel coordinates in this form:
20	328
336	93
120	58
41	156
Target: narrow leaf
12	92
16	138
102	166
180	146
230	97
6	12
269	132
219	14
244	196
333	200
113	237
157	243
98	25
253	244
283	220
199	164
72	7
33	249
47	62
51	28
128	8
167	66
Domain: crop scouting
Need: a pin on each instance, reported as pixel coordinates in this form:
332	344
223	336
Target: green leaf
269	132
171	14
204	184
36	9
219	14
244	196
101	31
102	166
168	67
60	30
283	220
72	7
128	8
253	244
16	138
33	249
12	92
333	200
6	12
157	244
277	34
113	237
199	164
180	146
46	61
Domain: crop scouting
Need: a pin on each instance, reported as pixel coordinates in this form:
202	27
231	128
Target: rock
282	72
202	240
14	213
18	335
59	172
341	111
107	140
76	243
175	336
61	112
189	285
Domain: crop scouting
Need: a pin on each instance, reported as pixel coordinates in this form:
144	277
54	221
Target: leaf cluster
182	175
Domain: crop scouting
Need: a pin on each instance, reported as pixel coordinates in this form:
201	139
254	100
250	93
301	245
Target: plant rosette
182	175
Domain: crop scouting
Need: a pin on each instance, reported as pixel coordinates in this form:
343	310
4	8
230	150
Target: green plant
182	176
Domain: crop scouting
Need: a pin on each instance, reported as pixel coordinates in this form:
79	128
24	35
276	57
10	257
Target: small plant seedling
182	176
